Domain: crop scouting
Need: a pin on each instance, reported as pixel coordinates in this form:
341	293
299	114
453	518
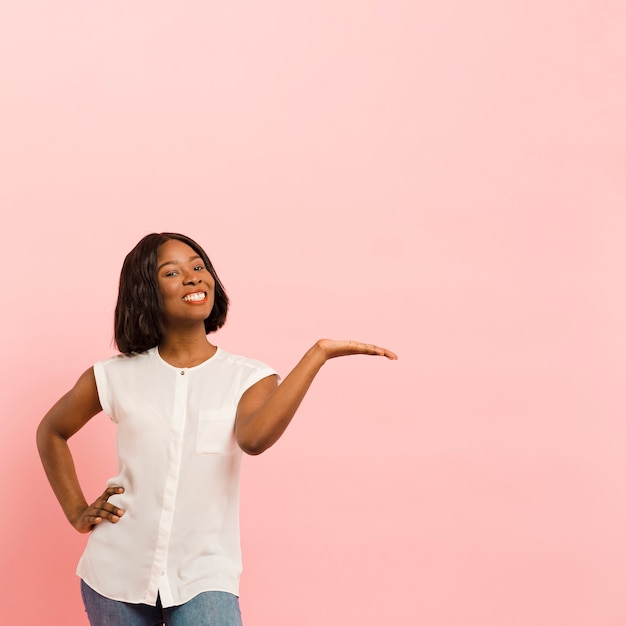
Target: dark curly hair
138	319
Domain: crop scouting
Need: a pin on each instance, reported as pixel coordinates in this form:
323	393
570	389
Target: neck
186	349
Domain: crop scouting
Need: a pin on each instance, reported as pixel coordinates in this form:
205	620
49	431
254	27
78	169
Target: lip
199	301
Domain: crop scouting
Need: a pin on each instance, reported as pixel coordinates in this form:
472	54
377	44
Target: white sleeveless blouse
179	465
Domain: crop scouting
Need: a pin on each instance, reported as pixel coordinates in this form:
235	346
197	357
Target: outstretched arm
63	420
265	410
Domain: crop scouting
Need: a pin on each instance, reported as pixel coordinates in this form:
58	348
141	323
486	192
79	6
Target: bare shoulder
72	411
257	394
85	386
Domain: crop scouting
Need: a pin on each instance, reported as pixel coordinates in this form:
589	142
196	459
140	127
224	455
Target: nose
189	278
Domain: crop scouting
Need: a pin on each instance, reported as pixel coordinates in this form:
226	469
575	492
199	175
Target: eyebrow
191	258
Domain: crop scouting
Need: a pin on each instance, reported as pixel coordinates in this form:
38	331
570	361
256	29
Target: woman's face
187	288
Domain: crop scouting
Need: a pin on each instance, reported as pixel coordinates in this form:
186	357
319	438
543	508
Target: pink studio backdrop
443	178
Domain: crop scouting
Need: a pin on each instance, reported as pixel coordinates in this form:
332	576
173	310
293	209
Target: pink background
443	178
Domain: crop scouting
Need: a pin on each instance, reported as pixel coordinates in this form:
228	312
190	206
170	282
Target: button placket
160	580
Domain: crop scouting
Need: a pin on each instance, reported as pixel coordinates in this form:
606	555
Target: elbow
42	437
253	439
46	436
43	441
252	443
253	448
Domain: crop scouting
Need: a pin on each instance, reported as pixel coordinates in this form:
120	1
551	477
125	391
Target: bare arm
62	421
265	410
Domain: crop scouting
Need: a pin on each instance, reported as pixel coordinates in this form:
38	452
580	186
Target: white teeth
195	297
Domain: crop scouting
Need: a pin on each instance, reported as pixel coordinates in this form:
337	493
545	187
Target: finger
111	491
344	348
379	351
108	492
108	511
107	507
100	511
103	507
85	526
87	522
95	515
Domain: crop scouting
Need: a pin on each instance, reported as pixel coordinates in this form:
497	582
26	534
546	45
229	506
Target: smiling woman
185	284
164	545
139	320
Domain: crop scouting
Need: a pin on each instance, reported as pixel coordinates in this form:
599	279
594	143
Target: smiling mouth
195	297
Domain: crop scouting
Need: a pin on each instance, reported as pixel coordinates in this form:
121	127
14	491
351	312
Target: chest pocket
216	432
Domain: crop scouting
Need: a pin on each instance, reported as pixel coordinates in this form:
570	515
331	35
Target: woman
164	543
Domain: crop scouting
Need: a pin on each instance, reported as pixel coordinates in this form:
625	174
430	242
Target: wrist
75	514
319	353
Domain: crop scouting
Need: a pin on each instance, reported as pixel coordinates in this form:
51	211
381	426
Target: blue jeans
210	608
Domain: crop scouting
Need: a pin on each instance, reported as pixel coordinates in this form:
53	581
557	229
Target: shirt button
182	373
